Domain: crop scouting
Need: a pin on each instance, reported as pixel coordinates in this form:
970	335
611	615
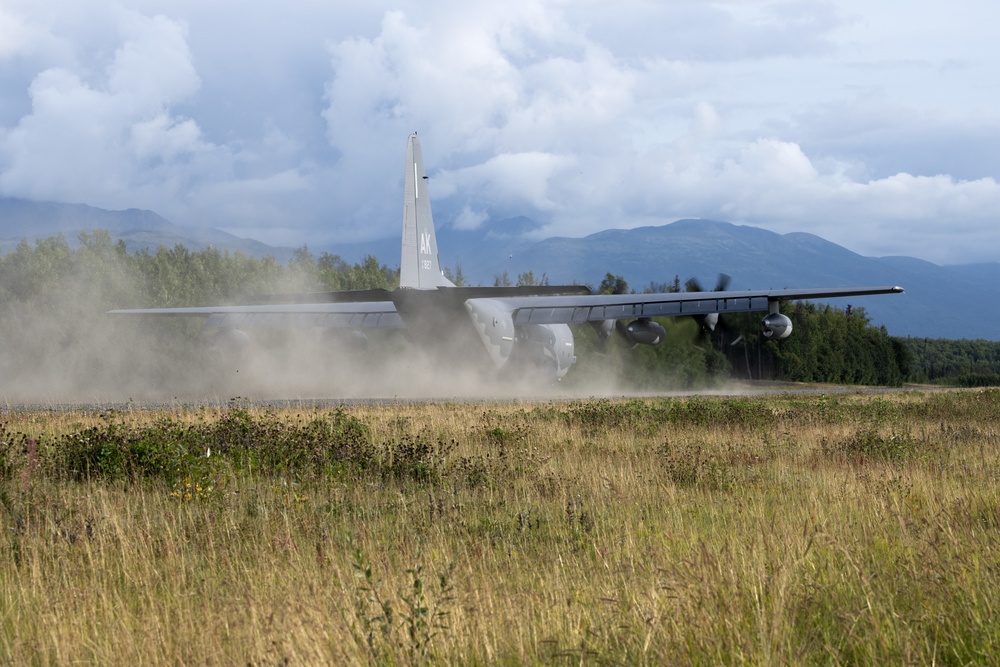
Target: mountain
940	301
21	219
482	253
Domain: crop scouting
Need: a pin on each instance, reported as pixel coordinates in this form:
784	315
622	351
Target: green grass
829	529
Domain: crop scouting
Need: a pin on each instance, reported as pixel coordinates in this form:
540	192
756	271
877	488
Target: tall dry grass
836	529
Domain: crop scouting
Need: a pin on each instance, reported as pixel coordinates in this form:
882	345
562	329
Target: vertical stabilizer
419	267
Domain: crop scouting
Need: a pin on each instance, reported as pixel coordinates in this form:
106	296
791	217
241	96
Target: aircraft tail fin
419	266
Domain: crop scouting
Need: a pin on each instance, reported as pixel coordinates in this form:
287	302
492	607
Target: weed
869	444
579	519
422	617
691	465
372	629
425	618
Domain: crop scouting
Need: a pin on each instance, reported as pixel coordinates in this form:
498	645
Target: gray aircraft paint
419	266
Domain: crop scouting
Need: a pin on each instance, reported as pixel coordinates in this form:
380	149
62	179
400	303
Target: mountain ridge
940	301
26	220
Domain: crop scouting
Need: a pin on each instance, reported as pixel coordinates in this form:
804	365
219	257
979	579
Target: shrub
170	451
868	444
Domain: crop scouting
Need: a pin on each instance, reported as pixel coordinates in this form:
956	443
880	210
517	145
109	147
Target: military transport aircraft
513	327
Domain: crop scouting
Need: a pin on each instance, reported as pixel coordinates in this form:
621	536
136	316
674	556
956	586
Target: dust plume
59	345
71	352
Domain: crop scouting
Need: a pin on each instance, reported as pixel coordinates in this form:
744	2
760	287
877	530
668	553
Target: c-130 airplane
504	327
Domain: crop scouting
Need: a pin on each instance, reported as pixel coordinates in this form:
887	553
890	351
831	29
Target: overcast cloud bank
287	123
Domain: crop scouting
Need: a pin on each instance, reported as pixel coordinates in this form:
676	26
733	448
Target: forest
54	298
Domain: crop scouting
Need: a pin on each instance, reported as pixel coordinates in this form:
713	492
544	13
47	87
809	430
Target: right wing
570	309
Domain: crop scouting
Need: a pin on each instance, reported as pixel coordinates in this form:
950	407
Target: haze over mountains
957	301
22	219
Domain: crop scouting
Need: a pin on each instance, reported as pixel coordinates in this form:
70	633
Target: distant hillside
940	301
21	219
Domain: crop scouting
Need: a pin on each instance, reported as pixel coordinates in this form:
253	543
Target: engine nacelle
549	347
495	325
604	328
707	322
776	326
644	331
545	346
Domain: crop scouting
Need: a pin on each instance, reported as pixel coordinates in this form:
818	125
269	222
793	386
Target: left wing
571	309
350	315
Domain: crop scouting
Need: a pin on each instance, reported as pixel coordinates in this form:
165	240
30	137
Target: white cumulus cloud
289	124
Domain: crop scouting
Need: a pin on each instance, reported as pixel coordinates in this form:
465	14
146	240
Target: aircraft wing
340	315
571	309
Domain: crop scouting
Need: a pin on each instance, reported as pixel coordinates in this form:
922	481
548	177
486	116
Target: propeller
606	328
645	331
708	323
693	285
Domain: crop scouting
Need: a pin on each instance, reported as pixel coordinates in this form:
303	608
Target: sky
873	125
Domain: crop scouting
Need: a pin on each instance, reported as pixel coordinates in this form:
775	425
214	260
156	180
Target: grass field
817	529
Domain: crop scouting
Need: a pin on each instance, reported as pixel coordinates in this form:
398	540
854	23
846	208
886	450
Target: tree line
969	363
59	341
53	300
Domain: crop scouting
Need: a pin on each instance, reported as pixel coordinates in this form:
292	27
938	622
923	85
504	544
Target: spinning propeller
707	323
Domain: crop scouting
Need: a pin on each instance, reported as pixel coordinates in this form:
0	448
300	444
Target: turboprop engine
547	346
495	326
776	326
644	331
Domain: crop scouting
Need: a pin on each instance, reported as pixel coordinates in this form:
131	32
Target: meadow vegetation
794	529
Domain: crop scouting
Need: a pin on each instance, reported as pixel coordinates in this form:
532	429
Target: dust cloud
59	346
73	352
